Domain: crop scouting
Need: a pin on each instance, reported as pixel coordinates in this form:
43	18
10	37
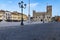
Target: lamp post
22	6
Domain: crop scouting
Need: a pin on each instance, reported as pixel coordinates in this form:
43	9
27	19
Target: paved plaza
44	31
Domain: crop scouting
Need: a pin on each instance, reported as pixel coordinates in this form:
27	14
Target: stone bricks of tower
49	10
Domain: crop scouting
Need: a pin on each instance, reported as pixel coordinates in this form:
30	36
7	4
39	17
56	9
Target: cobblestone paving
47	31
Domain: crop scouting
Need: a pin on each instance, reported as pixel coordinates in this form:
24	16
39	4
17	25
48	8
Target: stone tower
34	13
49	10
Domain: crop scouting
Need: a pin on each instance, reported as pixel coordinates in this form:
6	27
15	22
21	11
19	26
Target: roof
2	11
39	13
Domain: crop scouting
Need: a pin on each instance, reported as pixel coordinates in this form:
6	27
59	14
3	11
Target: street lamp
22	6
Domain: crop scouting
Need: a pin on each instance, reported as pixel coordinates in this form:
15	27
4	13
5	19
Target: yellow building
17	16
1	14
11	16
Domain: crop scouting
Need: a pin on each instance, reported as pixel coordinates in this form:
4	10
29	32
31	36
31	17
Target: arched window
41	20
39	17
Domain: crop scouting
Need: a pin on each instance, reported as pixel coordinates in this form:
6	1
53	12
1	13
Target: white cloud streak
9	1
32	5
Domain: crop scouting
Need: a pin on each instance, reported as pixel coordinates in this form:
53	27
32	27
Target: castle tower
33	13
49	10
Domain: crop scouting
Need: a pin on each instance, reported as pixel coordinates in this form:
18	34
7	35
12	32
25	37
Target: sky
38	5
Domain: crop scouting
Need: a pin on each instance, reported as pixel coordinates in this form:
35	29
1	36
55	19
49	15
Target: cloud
5	5
32	5
9	1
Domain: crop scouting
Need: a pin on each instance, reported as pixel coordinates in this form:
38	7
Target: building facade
43	16
11	16
2	12
17	16
56	19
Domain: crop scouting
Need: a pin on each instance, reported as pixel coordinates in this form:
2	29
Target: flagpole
29	12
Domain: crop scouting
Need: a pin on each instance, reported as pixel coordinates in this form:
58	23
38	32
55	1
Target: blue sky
38	5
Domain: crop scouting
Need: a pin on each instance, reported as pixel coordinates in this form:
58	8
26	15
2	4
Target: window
45	20
39	17
41	20
36	17
49	17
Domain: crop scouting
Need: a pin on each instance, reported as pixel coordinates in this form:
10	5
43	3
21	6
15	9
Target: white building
43	16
